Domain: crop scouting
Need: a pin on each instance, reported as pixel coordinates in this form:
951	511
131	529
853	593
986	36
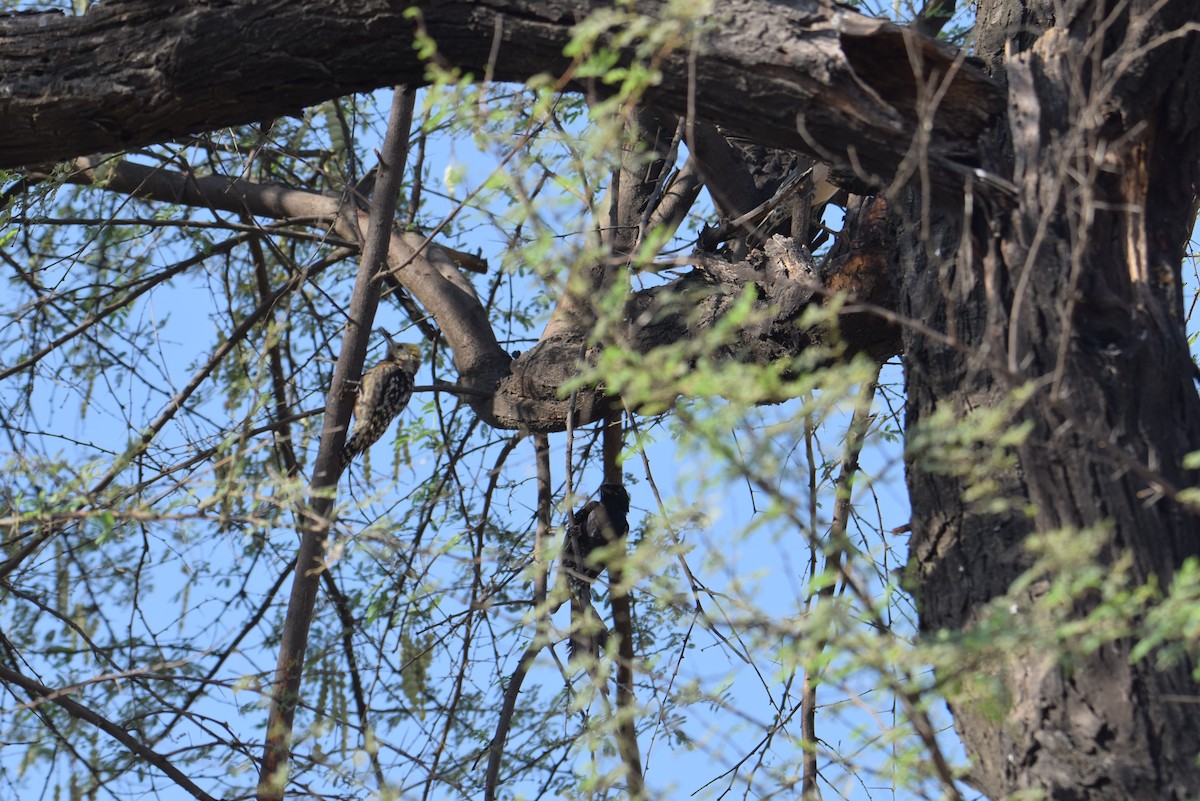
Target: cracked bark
1074	286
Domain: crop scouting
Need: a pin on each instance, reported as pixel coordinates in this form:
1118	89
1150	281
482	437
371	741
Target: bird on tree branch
592	529
383	392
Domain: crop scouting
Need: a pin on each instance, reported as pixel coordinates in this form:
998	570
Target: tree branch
425	270
820	77
84	713
316	520
524	394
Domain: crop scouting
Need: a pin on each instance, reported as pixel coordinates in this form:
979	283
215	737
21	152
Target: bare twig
838	544
622	612
541	638
87	715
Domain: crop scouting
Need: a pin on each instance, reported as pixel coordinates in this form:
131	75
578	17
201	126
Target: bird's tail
588	632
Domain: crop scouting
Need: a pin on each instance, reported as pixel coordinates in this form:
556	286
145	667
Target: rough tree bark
1050	254
1074	286
132	72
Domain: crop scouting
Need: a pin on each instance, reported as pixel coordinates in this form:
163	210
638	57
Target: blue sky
742	555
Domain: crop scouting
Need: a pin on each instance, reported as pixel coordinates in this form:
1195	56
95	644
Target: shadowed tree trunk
1075	287
1036	202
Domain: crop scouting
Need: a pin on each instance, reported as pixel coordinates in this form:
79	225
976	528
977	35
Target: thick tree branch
818	76
525	393
429	274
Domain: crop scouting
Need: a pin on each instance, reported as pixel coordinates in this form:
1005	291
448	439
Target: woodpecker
597	525
383	392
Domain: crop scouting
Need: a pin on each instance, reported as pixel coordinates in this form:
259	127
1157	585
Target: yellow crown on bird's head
406	354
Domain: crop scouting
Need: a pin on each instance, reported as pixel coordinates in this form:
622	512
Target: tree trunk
1075	287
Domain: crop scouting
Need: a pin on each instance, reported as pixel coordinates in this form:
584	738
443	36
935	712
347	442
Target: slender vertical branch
545	506
835	551
314	525
545	509
273	337
622	611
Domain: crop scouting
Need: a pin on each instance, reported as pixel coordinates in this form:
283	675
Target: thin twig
87	715
541	637
838	544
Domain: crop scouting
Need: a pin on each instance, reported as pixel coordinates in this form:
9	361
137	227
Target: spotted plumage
383	392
